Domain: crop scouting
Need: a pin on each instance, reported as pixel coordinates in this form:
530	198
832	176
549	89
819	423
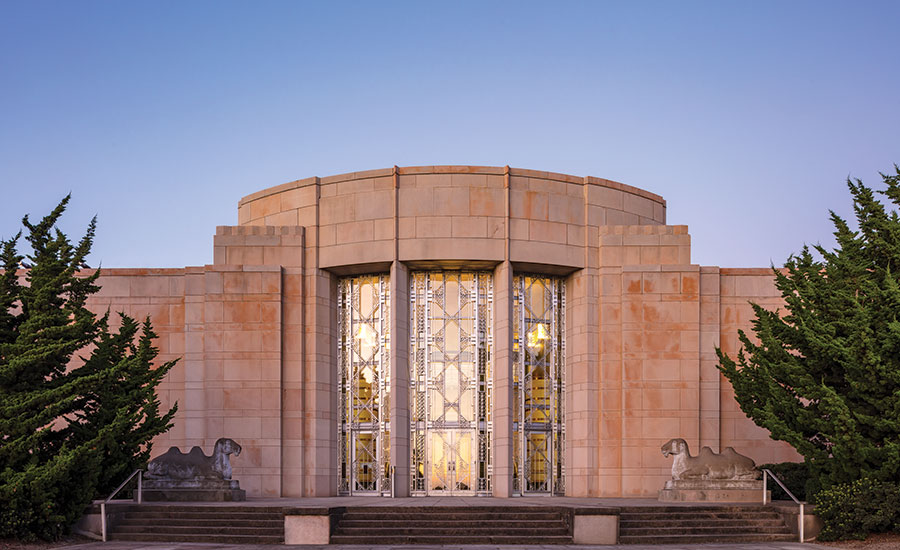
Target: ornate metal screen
364	385
450	382
538	385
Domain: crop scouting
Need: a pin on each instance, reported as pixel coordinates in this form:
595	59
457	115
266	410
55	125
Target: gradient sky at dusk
159	116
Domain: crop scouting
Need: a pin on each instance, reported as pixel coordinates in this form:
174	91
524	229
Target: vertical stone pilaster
710	378
582	384
582	451
610	383
503	382
320	383
196	424
293	399
399	360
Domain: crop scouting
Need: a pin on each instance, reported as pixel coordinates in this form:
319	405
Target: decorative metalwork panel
364	385
450	382
538	385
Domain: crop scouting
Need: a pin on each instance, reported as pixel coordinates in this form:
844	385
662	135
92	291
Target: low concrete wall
789	511
89	525
307	529
595	527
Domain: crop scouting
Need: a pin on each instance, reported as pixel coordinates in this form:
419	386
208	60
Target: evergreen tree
130	393
824	374
63	428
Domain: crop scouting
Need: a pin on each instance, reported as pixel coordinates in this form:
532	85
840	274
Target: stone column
399	361
503	381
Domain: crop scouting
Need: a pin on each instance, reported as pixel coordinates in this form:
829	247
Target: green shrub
42	501
795	476
853	510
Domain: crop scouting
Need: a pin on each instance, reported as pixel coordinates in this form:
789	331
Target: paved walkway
119	545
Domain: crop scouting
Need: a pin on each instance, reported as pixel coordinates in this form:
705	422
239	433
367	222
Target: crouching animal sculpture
729	465
193	476
176	465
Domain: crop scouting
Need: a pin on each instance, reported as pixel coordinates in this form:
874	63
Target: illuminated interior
538	380
364	367
450	382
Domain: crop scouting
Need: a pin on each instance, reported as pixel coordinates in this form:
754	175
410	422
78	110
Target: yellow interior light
537	336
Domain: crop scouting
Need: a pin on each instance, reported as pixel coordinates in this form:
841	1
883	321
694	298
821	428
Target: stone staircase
690	525
453	525
216	524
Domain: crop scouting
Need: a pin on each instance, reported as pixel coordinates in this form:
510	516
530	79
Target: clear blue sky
159	116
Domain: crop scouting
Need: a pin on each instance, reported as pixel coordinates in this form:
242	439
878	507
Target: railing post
801	519
140	486
103	520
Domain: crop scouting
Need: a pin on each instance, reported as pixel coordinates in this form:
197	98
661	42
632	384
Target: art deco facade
450	330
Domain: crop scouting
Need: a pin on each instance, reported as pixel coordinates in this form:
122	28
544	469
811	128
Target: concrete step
700	539
700	508
677	516
400	516
204	515
207	538
185	530
453	525
131	520
702	530
706	524
129	507
477	530
489	523
627	524
456	540
213	524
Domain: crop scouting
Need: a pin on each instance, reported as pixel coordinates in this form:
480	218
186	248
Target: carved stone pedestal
193	490
713	490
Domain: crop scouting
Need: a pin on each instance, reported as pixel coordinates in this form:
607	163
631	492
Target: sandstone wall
257	329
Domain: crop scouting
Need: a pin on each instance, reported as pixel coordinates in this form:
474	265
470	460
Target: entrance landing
610	504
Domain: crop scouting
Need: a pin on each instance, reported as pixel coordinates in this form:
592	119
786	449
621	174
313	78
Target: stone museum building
450	330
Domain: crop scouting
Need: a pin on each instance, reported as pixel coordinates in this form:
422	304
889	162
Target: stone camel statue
729	465
174	464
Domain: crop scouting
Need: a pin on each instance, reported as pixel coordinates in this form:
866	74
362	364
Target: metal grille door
364	385
539	385
450	393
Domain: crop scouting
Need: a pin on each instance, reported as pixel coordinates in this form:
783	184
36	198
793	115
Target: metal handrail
140	498
800	519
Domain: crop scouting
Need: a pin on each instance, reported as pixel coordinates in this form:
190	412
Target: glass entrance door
364	386
538	385
450	382
450	459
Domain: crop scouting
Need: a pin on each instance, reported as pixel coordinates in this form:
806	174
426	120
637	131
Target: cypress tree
129	394
823	374
64	428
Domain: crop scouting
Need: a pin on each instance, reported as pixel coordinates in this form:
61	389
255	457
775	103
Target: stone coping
452	169
176	271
